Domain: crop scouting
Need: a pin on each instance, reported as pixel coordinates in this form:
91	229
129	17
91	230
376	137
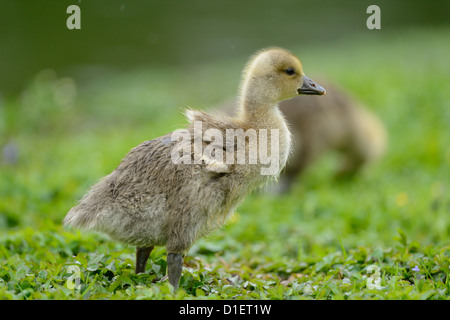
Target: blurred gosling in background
334	122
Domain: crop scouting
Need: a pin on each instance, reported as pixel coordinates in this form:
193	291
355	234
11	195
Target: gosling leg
142	255
174	267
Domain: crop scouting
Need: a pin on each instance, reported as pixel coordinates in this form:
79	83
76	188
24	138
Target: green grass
320	241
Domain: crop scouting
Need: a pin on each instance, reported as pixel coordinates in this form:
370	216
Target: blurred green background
73	102
118	36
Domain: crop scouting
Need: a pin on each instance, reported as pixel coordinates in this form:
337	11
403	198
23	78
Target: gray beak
310	87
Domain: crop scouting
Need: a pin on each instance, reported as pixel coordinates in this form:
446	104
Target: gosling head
274	75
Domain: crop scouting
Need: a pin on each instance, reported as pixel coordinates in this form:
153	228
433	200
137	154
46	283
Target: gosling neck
257	106
260	114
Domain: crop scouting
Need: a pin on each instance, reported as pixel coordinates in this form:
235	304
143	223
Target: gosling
151	200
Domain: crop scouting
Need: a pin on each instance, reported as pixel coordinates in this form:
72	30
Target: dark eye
290	71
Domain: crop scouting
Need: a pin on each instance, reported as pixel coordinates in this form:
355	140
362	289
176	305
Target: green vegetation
326	239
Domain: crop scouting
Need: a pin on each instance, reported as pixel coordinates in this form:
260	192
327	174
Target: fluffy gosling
151	200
